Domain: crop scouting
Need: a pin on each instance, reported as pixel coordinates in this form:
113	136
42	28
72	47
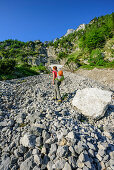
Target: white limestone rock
82	26
92	102
28	140
69	31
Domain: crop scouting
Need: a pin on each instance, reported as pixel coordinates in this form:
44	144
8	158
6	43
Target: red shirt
55	73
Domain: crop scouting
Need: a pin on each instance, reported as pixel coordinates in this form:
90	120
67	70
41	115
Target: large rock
92	102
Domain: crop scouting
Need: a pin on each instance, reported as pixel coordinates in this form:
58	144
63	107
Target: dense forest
89	47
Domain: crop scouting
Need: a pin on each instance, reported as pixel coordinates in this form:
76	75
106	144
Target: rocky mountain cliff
90	44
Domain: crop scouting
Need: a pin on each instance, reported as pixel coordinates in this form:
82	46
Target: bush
7	66
96	58
61	55
42	68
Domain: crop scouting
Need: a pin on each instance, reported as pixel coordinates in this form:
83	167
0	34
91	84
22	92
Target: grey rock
28	140
71	149
112	155
91	152
108	135
106	158
35	151
28	164
99	157
28	154
13	159
39	141
71	135
91	146
82	157
37	159
7	122
112	163
16	153
6	163
36	168
45	135
45	160
53	149
72	161
62	151
69	31
22	150
88	164
59	164
102	153
80	147
80	164
85	168
50	165
67	166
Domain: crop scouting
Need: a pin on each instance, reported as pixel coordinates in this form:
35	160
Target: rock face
82	26
92	102
51	53
69	31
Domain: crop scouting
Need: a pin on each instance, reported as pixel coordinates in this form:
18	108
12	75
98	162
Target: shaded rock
71	135
28	140
37	159
28	164
53	149
6	163
108	135
45	135
59	164
62	151
39	141
63	142
72	161
67	166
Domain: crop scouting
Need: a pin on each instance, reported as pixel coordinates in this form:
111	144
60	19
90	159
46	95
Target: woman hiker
57	82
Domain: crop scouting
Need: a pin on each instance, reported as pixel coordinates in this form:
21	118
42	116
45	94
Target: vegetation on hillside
87	48
14	59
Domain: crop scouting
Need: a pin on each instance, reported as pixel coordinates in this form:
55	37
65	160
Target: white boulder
92	102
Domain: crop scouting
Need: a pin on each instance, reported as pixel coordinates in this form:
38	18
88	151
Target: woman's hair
54	67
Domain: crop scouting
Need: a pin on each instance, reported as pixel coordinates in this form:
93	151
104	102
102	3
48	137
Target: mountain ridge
89	46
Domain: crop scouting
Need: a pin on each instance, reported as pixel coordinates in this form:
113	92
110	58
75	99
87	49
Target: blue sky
45	20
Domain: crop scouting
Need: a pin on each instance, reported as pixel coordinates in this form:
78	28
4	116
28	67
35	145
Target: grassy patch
24	71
